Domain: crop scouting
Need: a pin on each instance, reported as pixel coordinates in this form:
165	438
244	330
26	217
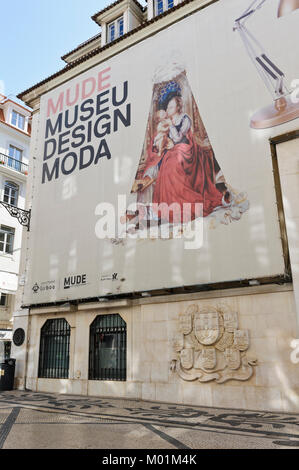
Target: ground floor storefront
230	348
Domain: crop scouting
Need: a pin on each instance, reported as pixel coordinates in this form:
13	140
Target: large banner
154	169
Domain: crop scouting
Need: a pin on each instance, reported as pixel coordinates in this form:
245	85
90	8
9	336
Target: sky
36	33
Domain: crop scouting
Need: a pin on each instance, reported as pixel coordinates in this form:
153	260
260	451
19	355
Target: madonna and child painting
178	171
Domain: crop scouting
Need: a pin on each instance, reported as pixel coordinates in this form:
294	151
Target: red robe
186	175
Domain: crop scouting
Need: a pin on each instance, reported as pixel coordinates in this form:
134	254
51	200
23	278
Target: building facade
15	128
160	107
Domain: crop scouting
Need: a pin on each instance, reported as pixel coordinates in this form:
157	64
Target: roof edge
109	7
85	43
111	44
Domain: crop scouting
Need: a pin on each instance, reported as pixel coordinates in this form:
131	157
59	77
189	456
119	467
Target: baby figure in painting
162	141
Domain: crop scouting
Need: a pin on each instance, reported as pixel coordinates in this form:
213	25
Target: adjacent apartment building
162	257
15	129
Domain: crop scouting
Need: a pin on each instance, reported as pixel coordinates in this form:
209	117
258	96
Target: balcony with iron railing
13	164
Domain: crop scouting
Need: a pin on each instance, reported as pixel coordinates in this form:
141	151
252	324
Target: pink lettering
59	105
68	101
88	88
92	82
102	78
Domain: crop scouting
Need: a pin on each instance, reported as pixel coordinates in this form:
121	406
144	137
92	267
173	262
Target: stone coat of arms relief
211	347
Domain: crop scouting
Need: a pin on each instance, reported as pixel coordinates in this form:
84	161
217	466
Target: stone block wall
270	319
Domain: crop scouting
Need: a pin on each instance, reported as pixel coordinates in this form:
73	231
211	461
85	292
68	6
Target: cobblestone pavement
47	421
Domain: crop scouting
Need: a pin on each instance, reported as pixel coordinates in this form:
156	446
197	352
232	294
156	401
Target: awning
8	283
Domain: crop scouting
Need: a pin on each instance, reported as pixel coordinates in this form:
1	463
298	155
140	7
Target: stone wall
270	319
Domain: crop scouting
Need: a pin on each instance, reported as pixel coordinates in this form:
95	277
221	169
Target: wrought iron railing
14	164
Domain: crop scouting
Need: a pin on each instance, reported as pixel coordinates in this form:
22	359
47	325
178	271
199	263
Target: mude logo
75	281
35	288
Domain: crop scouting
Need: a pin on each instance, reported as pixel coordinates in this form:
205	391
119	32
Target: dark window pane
8	249
6	239
107	349
54	350
159	7
14	118
111	32
11	192
21	122
18	120
7	348
120	27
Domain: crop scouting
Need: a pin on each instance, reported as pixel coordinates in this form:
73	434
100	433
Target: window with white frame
163	5
11	193
7	235
115	29
16	157
18	120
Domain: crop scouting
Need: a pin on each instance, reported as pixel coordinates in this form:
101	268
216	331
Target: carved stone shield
207	328
187	358
185	324
241	340
226	341
208	358
230	321
178	343
192	309
233	358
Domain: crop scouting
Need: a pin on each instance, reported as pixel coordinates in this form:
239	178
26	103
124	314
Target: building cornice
81	46
119	10
7	100
13	175
102	54
96	16
15	129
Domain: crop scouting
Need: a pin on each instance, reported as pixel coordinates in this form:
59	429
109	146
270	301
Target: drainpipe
26	354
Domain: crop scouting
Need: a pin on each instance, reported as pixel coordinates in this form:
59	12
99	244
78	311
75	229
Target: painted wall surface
110	132
9	263
9	136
